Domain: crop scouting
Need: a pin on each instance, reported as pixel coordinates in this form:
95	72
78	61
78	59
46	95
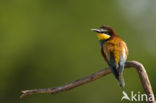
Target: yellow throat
103	36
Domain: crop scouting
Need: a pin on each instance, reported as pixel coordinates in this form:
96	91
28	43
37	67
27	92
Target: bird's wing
123	56
112	55
104	55
116	52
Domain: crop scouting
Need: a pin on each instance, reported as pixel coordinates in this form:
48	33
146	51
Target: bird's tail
119	76
121	81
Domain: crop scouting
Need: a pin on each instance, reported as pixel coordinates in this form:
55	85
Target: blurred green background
47	43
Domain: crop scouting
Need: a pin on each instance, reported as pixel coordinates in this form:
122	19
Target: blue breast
102	42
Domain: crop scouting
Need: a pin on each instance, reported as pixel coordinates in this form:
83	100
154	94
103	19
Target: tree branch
139	67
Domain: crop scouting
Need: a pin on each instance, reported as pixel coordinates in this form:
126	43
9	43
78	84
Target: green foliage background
47	43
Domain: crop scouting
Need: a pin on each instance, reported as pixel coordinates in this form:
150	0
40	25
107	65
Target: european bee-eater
114	51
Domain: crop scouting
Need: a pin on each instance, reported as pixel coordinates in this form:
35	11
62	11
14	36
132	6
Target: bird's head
104	32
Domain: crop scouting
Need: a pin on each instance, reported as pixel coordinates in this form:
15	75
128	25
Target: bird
114	51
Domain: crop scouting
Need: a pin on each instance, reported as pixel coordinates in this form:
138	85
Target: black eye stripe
108	33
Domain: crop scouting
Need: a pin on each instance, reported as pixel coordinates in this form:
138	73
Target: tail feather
119	77
121	81
115	72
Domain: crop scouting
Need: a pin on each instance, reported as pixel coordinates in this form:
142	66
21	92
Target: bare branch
139	67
